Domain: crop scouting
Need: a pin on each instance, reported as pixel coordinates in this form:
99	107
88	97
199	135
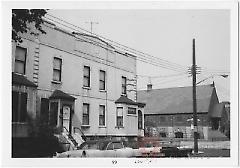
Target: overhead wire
165	81
165	63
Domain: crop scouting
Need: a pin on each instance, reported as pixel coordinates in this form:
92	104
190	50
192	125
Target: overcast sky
166	34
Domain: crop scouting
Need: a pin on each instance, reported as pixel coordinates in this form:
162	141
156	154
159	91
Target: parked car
100	148
155	148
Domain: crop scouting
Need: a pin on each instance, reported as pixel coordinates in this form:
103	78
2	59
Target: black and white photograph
120	83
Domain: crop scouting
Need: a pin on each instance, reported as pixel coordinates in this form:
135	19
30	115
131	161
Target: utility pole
194	101
91	24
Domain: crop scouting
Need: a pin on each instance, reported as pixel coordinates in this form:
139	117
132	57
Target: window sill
102	126
134	115
20	123
119	127
102	91
56	82
85	125
20	74
85	87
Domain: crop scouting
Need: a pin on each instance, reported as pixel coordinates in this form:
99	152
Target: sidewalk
207	144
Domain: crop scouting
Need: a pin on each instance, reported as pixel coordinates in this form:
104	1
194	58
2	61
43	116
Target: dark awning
125	100
18	79
58	94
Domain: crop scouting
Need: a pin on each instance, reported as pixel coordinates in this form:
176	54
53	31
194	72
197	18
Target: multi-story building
77	81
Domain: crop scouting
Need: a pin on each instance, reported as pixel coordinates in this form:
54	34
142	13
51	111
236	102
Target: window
101	115
140	124
85	114
19	106
124	85
102	80
86	76
119	116
20	60
44	109
57	69
53	113
131	110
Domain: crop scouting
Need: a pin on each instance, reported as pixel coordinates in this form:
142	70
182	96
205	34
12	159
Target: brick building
168	112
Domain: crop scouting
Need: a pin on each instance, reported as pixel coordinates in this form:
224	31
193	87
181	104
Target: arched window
140	120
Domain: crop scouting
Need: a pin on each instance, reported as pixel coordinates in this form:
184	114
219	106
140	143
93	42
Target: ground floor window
119	116
53	113
44	109
85	114
140	120
19	106
101	115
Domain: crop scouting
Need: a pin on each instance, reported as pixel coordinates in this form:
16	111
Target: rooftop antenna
91	25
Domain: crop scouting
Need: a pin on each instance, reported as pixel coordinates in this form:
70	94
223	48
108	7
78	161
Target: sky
166	34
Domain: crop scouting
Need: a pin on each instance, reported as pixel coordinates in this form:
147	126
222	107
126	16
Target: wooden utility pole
194	101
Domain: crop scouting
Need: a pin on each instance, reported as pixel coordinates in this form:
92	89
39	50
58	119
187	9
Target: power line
141	58
129	49
161	76
166	81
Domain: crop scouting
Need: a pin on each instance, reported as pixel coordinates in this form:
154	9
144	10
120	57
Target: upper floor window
131	110
101	115
124	85
57	69
85	114
119	116
20	60
86	76
102	80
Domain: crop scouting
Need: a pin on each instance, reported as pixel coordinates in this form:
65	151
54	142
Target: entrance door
66	117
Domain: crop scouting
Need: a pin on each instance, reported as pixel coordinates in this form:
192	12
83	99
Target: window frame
124	85
119	117
102	80
88	77
57	70
104	115
20	61
131	108
88	112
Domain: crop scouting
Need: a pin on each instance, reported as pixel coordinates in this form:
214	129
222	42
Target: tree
21	20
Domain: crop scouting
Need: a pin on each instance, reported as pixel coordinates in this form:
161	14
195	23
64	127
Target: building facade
169	114
75	82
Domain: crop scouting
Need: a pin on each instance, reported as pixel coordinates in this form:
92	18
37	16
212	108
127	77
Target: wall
75	54
155	124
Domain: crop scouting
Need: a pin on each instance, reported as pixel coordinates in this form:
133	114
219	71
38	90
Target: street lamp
222	75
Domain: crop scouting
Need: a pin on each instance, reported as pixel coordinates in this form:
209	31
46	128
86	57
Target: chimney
149	87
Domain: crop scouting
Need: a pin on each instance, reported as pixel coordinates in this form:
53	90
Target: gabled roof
175	100
18	79
58	94
125	100
218	110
